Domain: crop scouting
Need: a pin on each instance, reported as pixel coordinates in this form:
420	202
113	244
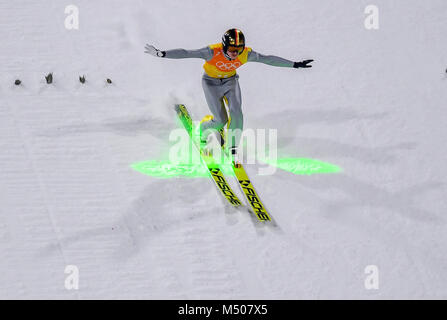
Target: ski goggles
235	49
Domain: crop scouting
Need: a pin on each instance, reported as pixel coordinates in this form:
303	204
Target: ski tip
179	107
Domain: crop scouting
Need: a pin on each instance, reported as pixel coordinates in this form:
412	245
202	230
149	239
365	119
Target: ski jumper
220	82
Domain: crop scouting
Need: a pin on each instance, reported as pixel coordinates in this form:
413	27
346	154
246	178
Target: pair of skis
242	178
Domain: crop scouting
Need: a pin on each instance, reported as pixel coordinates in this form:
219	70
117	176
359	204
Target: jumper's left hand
303	64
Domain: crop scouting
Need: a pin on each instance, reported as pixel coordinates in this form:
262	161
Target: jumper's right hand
154	51
303	64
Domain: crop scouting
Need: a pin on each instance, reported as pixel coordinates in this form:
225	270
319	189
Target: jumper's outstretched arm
204	53
275	61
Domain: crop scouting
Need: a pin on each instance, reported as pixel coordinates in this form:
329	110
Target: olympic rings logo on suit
228	66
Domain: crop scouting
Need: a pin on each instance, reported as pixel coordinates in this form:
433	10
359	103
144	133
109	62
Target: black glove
302	64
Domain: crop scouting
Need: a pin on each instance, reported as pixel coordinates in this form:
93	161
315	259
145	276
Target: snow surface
373	104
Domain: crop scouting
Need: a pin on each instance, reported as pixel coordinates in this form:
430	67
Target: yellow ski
250	193
247	187
213	168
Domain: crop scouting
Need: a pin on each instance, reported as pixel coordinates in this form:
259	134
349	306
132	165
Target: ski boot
220	135
204	139
234	157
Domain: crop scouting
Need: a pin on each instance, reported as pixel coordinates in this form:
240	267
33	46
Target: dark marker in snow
82	79
17	82
49	78
109	81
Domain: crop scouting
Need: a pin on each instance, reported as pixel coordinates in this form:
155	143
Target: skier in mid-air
220	81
